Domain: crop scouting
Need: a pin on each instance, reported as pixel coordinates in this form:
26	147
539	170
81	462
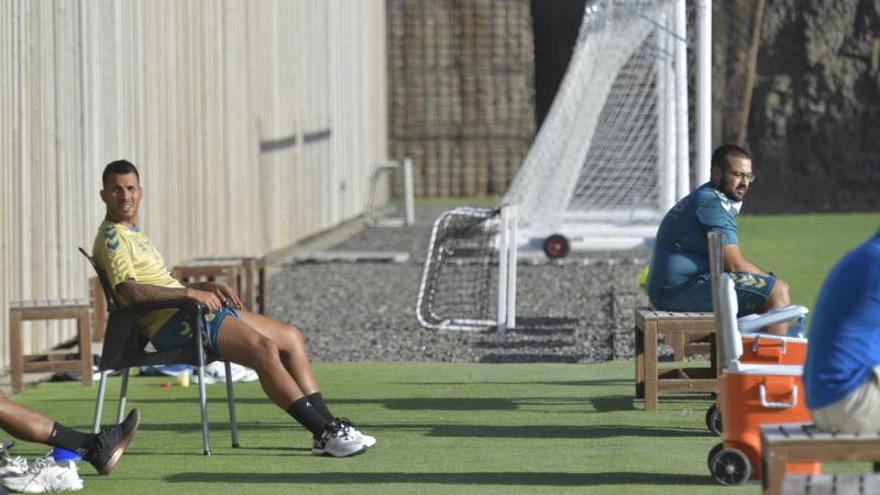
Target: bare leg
779	298
291	347
243	344
24	423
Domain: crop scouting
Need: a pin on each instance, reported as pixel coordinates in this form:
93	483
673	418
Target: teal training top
681	251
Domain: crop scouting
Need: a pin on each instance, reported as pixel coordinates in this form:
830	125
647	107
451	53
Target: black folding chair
125	348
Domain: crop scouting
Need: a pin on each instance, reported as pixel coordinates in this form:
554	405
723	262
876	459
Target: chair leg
123	395
230	400
203	397
99	406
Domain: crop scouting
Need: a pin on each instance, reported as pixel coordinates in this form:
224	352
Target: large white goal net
612	155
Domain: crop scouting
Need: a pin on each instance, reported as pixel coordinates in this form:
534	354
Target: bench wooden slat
831	484
48	303
799	442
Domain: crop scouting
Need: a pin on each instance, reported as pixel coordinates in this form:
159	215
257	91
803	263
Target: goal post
613	154
468	279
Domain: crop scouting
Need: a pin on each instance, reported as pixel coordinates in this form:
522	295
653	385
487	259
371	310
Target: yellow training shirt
126	253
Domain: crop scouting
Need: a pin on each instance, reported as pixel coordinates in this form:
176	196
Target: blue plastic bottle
799	327
62	455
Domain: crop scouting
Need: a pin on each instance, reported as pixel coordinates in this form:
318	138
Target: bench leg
651	378
16	350
774	474
678	343
640	363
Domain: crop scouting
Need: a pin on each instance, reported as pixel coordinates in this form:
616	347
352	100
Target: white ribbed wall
254	124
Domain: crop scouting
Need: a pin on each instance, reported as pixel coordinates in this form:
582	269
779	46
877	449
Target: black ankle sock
317	401
71	440
308	416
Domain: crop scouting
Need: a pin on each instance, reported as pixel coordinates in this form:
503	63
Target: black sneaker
111	443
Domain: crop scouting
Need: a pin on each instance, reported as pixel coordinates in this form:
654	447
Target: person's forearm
141	293
197	285
744	266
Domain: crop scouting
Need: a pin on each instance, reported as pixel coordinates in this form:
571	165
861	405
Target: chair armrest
753	323
191	306
124	345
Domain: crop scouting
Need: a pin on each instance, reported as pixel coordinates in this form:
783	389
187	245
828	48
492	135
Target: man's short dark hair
119	167
722	156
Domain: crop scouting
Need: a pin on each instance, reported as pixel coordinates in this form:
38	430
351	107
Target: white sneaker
337	441
215	372
366	440
242	373
13	466
45	476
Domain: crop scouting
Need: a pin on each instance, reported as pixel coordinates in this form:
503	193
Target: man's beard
734	195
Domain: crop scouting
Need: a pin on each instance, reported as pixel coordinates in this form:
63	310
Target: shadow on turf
559	431
441	403
576	383
495	478
460	430
600	404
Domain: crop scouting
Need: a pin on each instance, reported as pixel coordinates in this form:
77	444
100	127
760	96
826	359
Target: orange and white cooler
751	395
754	393
762	348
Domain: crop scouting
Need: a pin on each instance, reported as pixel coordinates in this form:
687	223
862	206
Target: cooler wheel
713	419
730	467
712	453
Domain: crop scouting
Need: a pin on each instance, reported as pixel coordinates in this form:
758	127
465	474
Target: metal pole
503	260
683	156
510	225
408	194
704	89
666	116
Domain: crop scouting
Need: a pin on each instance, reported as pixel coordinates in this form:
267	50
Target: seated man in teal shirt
679	275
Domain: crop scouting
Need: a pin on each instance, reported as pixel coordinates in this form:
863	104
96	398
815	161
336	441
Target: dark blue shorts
752	291
176	332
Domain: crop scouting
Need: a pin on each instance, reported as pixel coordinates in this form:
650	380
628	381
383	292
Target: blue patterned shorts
752	291
176	332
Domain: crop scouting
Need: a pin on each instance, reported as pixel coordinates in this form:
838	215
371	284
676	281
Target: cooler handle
758	337
779	405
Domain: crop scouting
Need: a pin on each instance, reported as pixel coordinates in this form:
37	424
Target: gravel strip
576	311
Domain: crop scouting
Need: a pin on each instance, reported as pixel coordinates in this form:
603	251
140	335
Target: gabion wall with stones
460	92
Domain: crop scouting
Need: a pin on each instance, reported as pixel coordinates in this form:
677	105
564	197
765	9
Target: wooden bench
798	442
682	329
246	274
51	361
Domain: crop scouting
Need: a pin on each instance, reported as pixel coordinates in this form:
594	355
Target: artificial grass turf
801	249
442	428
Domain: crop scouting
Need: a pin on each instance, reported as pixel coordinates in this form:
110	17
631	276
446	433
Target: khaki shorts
858	412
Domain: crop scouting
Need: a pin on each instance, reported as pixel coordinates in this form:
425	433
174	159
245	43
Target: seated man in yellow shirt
275	350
